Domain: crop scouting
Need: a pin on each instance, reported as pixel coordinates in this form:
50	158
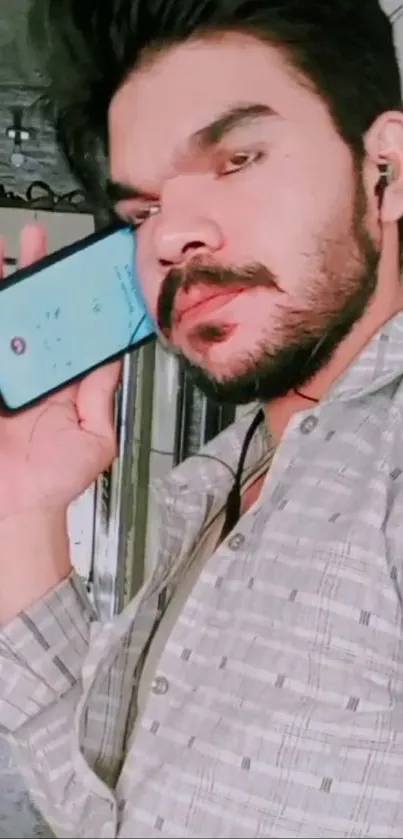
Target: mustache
198	273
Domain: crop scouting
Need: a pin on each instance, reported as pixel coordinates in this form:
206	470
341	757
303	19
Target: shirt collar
200	485
378	364
213	468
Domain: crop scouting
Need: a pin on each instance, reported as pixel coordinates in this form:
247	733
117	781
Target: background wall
20	86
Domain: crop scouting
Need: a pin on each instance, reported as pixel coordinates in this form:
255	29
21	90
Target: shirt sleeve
42	655
42	651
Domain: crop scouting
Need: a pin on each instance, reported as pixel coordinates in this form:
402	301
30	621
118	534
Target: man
254	686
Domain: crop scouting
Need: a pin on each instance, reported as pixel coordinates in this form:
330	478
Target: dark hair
86	49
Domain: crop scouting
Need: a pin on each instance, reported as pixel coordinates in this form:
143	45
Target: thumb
96	400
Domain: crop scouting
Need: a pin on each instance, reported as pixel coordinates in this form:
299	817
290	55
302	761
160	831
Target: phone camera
18	345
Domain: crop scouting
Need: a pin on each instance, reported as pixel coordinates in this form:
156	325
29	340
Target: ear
384	145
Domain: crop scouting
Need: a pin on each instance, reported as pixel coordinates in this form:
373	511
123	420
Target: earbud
386	172
387	175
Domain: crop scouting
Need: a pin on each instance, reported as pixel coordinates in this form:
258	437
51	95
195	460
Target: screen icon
18	345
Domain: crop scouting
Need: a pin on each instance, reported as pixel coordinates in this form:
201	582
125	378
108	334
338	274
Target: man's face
253	250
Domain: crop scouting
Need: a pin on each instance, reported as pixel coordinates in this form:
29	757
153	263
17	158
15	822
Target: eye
239	160
142	214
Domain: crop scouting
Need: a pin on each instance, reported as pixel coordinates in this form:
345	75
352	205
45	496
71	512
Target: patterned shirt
262	695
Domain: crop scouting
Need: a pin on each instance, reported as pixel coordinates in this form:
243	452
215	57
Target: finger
96	400
32	244
3	253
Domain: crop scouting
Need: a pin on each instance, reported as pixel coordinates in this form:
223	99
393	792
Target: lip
200	343
199	305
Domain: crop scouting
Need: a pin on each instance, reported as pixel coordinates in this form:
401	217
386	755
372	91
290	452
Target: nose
179	237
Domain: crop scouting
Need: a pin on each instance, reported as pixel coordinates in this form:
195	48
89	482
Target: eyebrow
203	140
235	117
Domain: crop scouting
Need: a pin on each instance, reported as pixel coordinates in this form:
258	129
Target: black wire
233	505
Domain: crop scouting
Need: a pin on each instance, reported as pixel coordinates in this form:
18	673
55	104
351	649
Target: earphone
386	172
386	176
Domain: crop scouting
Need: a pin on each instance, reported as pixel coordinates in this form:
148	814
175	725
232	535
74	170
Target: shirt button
160	685
308	424
236	541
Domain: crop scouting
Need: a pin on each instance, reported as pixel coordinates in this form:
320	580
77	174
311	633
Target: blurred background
162	417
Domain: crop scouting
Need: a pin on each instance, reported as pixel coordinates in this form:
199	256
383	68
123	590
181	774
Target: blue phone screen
69	317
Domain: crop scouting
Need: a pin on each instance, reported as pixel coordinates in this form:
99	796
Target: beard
306	333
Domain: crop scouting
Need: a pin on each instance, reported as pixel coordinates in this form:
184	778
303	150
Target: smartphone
68	314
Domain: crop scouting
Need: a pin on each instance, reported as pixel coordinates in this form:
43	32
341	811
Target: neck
385	303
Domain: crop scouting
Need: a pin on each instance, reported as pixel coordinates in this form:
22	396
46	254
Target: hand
51	453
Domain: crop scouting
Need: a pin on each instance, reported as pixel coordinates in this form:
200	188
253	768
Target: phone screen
70	316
